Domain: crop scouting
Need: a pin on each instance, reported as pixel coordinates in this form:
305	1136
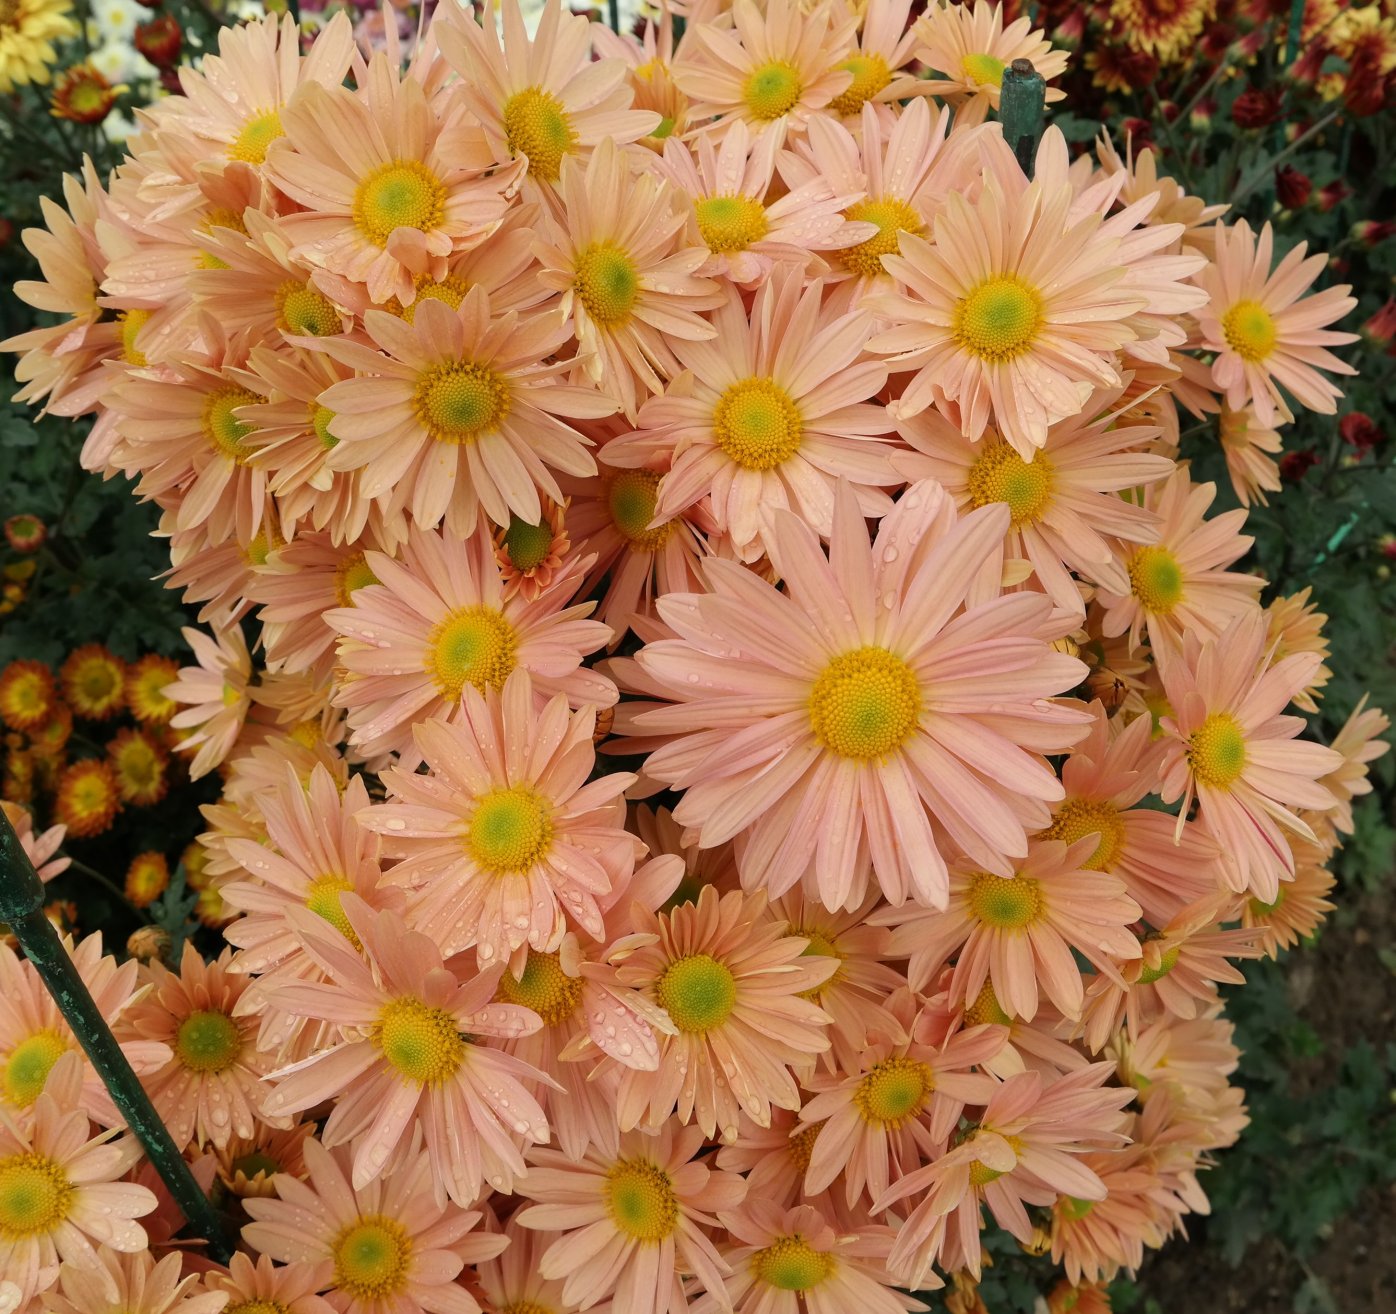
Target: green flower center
35	1196
208	1042
422	1043
999	319
631	499
1156	579
641	1200
892	1091
458	401
473	645
757	424
607	283
698	993
772	90
731	223
401	194
511	831
791	1264
1217	750
30	1062
1008	905
372	1258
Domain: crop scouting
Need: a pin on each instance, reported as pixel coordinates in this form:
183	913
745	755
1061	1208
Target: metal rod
1022	100
22	907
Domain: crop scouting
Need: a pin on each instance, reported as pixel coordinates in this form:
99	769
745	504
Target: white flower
116	19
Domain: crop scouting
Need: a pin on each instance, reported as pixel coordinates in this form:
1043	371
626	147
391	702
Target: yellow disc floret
225	432
999	319
473	645
511	830
892	1091
1007	904
865	704
372	1258
893	217
772	90
607	283
631	498
255	137
791	1264
35	1196
982	70
536	125
208	1041
423	1044
301	308
999	474
757	424
1217	750
352	574
1250	331
698	992
870	75
731	223
1078	817
401	194
324	896
460	400
28	1066
1156	579
544	987
641	1200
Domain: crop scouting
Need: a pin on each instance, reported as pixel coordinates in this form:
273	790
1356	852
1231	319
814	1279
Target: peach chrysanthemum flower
41	846
631	1220
629	286
262	1288
1265	332
1294	624
772	1159
1229	747
773	65
800	1261
1300	905
772	413
1248	447
446	624
1093	1239
505	842
970	48
391	188
732	982
146	679
1359	742
879	60
382	1245
512	1281
59	1194
850	727
92	680
408	1055
461	414
214	692
541	99
247	1166
130	1284
531	553
214	1085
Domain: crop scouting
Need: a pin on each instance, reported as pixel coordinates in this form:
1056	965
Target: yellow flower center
791	1264
802	1146
97	680
35	1196
998	319
473	645
821	945
256	1306
641	1199
350	576
544	987
772	90
731	223
1156	579
631	499
870	75
208	1041
757	424
527	545
536	125
697	992
372	1258
980	1174
511	831
321	417
892	1091
450	291
1078	817
1217	750
893	217
526	1307
224	431
458	401
1008	905
132	321
255	137
325	898
219	217
982	70
865	704
301	308
607	283
1168	960
1250	330
985	1011
422	1043
401	194
999	474
30	1062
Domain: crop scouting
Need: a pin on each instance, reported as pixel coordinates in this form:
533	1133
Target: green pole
22	906
1022	99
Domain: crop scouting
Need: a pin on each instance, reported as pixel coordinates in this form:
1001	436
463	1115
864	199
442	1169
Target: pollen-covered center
422	1043
30	1062
998	319
1217	750
544	987
985	1010
999	474
980	1174
1008	904
731	223
697	992
255	137
227	434
791	1264
870	75
460	400
257	1306
35	1196
641	1200
511	831
132	322
607	283
536	125
372	1258
893	217
892	1091
1167	961
303	309
324	896
865	704
1250	330
208	1041
982	70
527	544
473	645
1156	579
1078	817
822	944
757	424
772	90
450	291
400	194
352	574
321	417
631	498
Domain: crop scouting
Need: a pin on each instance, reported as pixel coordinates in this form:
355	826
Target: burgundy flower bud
1381	328
1371	231
1359	430
1295	465
1292	187
1333	194
1256	107
160	40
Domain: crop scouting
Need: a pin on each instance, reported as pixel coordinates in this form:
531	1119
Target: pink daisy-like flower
505	842
1248	447
408	1055
130	1284
1359	742
1300	905
772	1159
879	60
630	1219
59	1194
216	691
1230	748
442	614
772	413
461	414
512	1281
854	724
1265	332
40	847
250	1288
381	1245
731	981
531	554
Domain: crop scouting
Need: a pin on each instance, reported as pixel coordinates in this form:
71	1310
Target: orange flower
88	798
26	694
139	764
83	95
146	679
93	682
147	878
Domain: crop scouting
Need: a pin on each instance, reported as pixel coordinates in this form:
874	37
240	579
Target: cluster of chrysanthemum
738	409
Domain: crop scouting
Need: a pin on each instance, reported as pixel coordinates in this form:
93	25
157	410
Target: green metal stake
1022	99
22	906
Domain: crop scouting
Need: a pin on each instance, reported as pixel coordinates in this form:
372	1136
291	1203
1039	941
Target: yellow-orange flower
26	694
93	681
87	799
